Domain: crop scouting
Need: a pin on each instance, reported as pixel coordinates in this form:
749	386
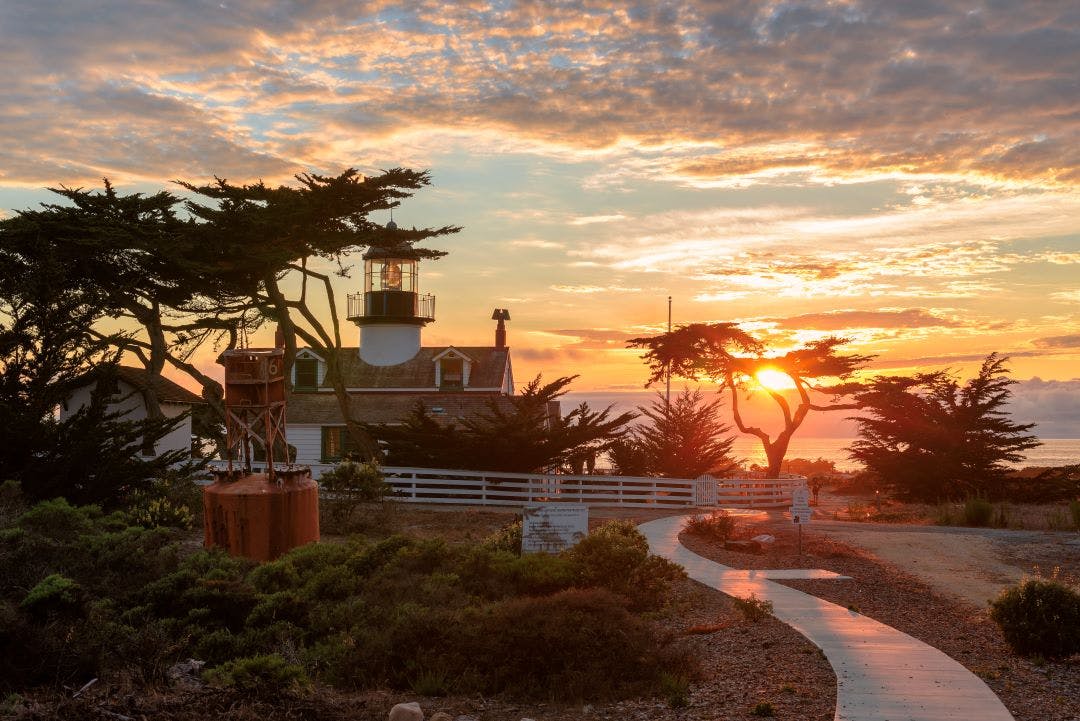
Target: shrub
1074	511
262	673
717	526
352	484
754	608
1040	616
54	593
676	689
978	512
173	501
569	646
507	538
12	502
763	709
616	556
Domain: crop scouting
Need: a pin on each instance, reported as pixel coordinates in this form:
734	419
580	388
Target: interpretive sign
553	527
800	505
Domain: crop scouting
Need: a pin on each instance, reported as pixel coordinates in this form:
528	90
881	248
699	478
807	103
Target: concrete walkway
881	673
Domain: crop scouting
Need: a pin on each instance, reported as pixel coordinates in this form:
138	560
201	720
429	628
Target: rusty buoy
250	515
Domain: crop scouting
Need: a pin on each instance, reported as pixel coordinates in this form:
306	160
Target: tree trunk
775	452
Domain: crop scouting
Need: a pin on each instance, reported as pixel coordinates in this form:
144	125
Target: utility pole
667	397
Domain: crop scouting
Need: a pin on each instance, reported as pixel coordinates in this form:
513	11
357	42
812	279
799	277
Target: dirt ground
970	564
974	564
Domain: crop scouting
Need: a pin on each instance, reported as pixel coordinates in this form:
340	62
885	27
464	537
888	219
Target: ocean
814	444
1052	452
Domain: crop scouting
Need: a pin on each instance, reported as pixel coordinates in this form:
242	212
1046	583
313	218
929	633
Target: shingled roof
322	408
488	368
165	390
138	378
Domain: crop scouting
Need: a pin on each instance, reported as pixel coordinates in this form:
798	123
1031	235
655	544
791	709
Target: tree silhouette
257	236
522	433
682	439
930	438
731	357
46	352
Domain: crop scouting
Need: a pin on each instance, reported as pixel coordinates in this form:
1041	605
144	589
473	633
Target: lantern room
391	290
391	310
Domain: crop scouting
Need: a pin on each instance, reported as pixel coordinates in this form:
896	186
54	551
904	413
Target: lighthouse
391	311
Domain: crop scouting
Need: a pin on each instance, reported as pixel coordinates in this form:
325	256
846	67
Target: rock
410	711
463	717
186	673
440	716
744	546
764	539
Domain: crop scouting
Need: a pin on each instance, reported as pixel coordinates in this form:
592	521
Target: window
336	443
307	374
451	373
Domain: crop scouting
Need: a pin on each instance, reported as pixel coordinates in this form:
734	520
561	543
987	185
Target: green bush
717	526
763	709
398	613
262	673
616	556
507	538
978	512
569	646
754	608
1039	616
676	689
54	593
352	484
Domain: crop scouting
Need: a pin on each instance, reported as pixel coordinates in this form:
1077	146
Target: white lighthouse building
390	371
391	311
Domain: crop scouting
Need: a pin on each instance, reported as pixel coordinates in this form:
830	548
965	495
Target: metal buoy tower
258	515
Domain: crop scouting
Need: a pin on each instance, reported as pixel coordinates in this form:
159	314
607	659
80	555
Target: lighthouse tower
390	311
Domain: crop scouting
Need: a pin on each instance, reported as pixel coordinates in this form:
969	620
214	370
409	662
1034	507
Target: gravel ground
1031	690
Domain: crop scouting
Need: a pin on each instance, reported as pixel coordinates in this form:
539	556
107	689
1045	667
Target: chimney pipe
501	315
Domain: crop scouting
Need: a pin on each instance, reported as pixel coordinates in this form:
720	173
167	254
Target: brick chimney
502	315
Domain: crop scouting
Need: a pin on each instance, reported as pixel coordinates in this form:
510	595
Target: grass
975	512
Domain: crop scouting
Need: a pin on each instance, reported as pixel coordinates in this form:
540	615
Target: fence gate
705	491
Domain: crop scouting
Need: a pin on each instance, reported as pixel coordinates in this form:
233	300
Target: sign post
800	510
552	528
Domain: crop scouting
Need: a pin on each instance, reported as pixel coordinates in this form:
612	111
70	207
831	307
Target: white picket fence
428	485
487	488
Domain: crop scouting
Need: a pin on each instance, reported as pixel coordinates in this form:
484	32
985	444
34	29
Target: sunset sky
906	174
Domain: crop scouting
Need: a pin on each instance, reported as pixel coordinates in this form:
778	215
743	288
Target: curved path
881	673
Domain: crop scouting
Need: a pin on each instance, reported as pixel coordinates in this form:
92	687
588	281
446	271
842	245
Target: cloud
844	319
1059	341
591	289
594	338
1053	405
686	90
1066	296
548	354
593	219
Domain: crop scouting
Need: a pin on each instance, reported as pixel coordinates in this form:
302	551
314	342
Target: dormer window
452	371
307	374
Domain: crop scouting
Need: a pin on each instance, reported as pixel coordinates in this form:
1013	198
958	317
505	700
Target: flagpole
668	396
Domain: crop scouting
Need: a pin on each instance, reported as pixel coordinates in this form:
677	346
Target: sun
774	380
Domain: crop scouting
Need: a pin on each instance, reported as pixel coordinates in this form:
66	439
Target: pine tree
930	438
526	437
46	351
685	438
